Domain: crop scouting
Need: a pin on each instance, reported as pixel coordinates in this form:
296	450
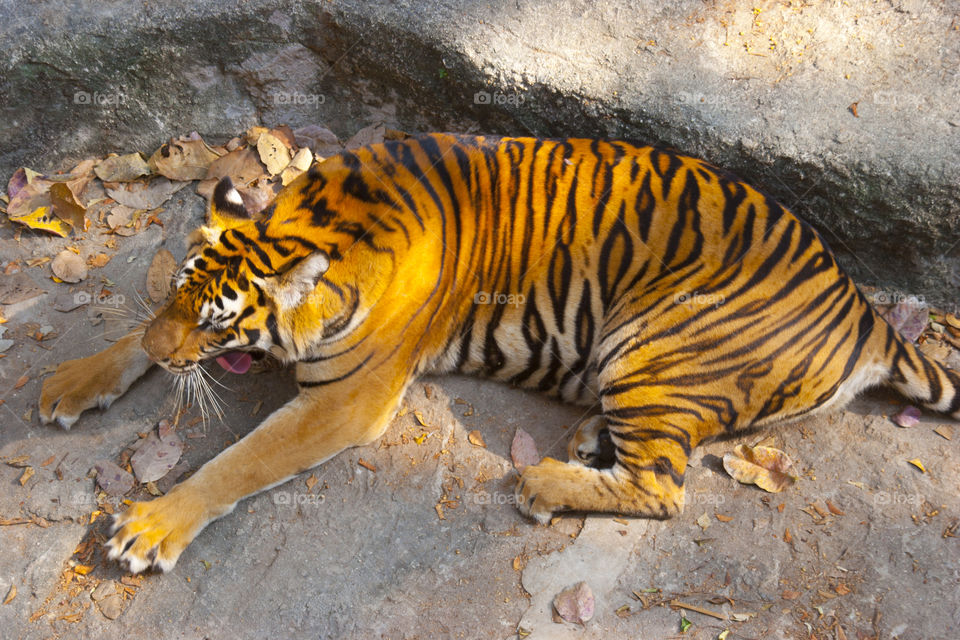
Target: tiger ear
292	286
226	207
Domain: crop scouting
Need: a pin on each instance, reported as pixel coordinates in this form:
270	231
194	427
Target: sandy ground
863	546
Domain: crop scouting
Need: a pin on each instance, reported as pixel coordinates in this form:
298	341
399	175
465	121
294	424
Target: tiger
680	301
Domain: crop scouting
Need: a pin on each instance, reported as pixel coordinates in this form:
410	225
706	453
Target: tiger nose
163	337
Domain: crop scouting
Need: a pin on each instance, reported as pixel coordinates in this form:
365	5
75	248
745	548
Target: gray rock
770	96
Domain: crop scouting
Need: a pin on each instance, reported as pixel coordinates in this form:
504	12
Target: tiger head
231	290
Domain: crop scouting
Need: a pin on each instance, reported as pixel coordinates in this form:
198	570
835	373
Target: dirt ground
418	537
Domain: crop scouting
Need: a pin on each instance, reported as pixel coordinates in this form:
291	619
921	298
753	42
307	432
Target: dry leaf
186	158
919	465
575	604
723	518
22	380
144	195
476	439
69	267
258	196
320	140
26	475
368	135
242	166
43	219
311	481
766	467
944	431
834	509
300	163
704	521
908	417
156	457
910	317
161	270
18	287
67	206
114	480
366	465
11	594
124	168
523	450
789	594
120	220
274	152
98	261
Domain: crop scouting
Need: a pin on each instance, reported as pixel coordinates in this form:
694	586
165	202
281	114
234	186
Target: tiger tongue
235	361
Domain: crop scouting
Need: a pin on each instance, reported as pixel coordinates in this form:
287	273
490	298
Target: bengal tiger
682	301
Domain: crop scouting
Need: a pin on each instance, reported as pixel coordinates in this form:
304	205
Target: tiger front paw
155	533
537	490
94	381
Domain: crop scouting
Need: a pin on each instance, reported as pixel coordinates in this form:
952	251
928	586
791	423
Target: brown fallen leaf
274	152
241	165
300	163
114	480
790	594
26	475
368	135
69	267
18	287
944	431
144	195
22	380
155	457
98	261
575	604
766	467
67	206
476	439
120	220
11	594
311	481
723	518
842	589
159	275
320	140
367	465
523	450
185	158
126	168
834	509
908	417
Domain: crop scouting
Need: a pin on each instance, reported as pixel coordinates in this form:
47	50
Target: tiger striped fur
683	302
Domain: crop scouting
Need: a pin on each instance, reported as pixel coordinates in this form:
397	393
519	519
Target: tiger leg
591	445
97	380
645	480
317	424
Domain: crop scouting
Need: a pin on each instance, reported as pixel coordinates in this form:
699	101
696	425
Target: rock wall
846	112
